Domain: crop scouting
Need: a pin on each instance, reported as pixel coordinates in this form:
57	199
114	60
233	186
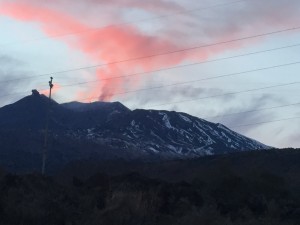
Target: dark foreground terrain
248	188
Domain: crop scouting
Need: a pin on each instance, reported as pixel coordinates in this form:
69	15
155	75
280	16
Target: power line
159	54
265	122
255	110
231	93
19	93
193	81
165	69
127	23
181	66
220	95
203	79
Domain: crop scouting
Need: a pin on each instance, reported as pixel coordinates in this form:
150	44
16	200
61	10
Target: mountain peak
28	112
35	93
34	100
103	106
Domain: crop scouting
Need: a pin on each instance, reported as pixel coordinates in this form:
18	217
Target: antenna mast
47	128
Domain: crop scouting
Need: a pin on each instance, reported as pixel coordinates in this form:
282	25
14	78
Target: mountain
96	106
107	131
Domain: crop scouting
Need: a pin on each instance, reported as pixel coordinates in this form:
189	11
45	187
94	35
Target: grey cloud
104	6
178	93
234	20
11	80
292	140
251	117
7	61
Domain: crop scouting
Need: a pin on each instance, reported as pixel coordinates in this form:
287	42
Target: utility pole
47	128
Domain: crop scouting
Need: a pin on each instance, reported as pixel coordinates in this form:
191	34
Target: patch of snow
153	149
185	118
166	120
208	151
172	148
153	134
132	123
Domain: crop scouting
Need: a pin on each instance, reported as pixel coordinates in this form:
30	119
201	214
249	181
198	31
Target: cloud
291	140
240	18
102	12
107	45
164	97
55	89
153	5
118	43
7	61
254	103
11	69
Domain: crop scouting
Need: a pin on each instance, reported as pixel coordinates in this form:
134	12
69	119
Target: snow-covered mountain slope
80	131
171	134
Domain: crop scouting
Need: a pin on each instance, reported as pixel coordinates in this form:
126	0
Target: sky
234	62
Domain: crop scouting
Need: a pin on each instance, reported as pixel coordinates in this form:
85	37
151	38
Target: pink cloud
107	45
117	43
55	90
153	5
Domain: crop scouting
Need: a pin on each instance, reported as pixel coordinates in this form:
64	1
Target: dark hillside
281	162
240	189
107	131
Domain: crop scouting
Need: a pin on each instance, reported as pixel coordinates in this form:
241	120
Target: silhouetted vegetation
233	190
